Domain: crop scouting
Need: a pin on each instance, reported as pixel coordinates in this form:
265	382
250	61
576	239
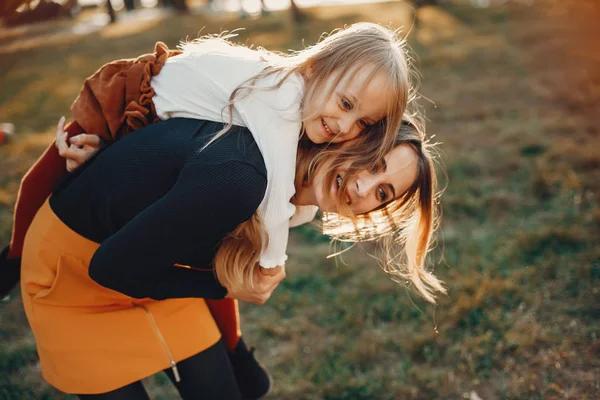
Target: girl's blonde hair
340	54
404	226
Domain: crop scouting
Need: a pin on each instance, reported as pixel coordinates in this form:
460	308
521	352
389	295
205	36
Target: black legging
207	375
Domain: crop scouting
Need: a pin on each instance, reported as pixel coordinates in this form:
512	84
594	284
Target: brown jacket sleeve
117	99
114	101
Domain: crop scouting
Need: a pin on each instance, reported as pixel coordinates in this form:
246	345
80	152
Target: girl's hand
78	149
265	282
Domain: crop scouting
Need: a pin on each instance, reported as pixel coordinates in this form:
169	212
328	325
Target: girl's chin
312	137
315	133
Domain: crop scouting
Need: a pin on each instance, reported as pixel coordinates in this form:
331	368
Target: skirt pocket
73	287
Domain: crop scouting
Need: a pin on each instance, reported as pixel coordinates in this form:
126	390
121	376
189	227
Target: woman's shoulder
236	147
231	166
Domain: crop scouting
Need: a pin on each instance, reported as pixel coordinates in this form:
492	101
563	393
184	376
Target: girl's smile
358	100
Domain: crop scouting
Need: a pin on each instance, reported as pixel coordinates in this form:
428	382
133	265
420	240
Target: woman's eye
363	124
382	195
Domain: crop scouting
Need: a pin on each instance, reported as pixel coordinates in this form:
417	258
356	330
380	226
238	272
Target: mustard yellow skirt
91	339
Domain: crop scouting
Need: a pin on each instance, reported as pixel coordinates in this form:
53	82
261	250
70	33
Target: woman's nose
363	186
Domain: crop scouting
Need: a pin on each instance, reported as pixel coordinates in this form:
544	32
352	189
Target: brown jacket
114	101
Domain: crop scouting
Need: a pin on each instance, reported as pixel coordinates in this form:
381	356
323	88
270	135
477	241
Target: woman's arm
206	203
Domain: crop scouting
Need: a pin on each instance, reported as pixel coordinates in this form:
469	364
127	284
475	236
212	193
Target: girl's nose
346	125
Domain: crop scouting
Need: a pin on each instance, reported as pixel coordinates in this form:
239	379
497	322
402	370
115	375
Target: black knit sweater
154	199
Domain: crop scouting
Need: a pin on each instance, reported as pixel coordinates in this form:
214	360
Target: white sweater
198	84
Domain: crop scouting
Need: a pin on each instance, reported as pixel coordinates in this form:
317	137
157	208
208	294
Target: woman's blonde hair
340	55
404	226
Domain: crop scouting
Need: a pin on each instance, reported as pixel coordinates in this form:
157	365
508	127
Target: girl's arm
77	150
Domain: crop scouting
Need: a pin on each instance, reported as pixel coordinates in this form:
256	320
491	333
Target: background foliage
513	91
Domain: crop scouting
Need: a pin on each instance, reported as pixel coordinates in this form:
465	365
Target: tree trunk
111	12
297	15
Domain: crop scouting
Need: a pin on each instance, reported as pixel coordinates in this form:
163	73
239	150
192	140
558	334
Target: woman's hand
265	282
78	149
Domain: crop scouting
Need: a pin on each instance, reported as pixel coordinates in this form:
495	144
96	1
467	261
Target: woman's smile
336	187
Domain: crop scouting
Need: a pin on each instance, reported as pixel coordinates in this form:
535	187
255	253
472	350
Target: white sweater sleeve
273	117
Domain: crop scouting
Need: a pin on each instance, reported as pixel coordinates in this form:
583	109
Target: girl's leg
207	375
252	377
226	315
134	391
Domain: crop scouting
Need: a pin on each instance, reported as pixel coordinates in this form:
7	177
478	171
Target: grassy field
514	96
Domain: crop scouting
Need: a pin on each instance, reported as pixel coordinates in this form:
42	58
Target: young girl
332	92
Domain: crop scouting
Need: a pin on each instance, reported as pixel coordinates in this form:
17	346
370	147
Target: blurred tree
16	12
129	5
179	5
297	15
111	12
423	3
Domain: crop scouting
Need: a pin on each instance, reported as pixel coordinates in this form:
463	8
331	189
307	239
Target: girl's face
366	191
355	103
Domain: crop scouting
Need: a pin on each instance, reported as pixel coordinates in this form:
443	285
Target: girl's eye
382	195
363	124
346	104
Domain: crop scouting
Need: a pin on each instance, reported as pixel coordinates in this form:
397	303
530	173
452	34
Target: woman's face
366	191
352	106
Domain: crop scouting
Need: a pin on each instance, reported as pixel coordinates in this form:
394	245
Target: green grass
518	245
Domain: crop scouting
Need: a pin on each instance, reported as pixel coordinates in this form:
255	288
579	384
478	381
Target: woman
328	92
105	302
